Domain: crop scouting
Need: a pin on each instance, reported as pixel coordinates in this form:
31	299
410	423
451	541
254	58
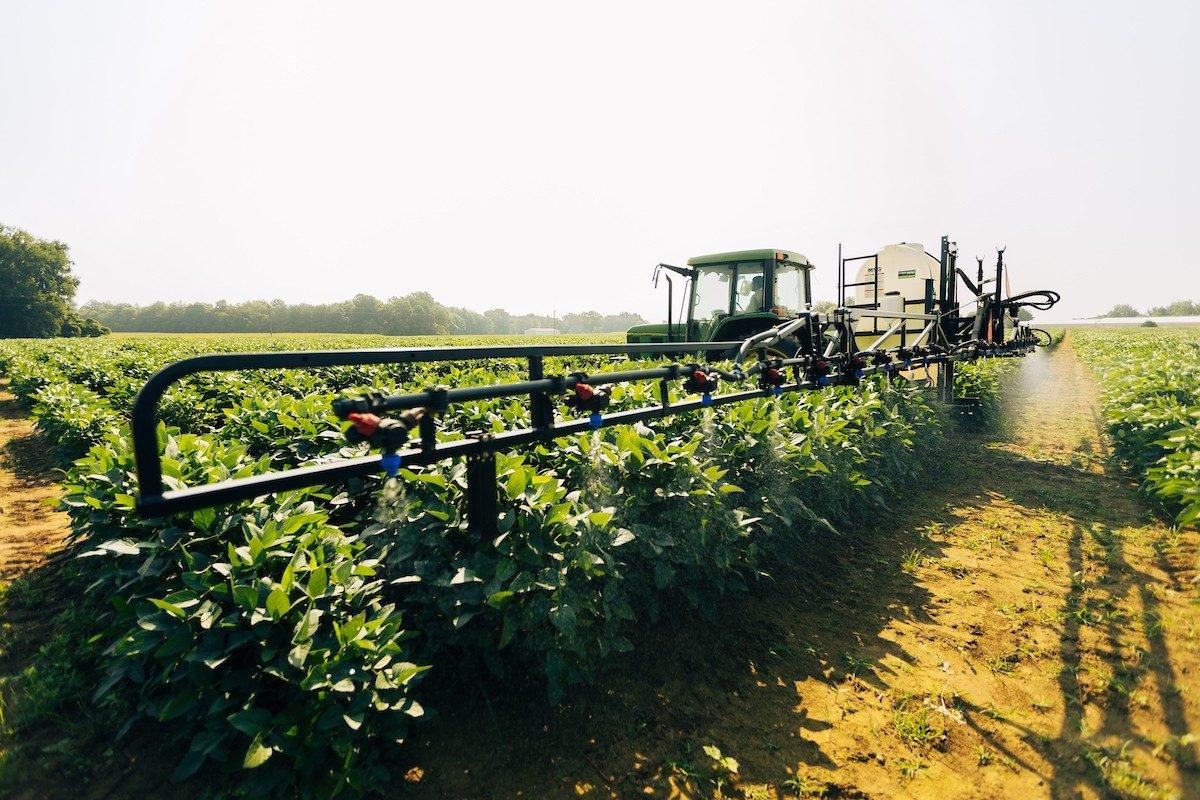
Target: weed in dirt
855	664
909	767
1028	651
983	756
954	568
917	723
683	767
1046	556
911	561
721	763
932	530
995	712
1041	705
804	787
1005	664
1117	773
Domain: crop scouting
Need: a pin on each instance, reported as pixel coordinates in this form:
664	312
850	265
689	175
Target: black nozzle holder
387	434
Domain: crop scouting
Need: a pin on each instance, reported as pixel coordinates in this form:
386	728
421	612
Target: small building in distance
542	331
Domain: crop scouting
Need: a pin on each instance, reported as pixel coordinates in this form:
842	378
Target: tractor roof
749	255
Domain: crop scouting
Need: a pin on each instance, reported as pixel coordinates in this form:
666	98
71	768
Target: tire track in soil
1022	628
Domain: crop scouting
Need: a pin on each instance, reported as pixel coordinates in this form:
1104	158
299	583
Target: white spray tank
903	270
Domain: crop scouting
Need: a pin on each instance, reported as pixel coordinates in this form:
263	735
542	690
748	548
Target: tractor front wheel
786	347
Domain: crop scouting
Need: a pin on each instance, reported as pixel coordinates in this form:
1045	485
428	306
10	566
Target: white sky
542	157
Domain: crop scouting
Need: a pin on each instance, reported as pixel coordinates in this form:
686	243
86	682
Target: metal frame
830	356
155	500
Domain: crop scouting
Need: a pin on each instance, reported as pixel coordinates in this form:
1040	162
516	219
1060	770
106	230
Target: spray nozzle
386	433
772	378
588	398
701	382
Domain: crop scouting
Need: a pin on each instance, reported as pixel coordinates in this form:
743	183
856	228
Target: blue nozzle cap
595	420
390	463
862	373
706	399
823	380
777	390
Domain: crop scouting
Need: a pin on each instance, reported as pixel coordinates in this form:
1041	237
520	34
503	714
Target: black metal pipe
439	399
159	503
145	406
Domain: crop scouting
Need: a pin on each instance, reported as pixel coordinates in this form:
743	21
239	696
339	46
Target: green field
289	636
1150	379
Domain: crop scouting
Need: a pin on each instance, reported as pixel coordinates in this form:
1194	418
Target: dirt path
1033	633
29	529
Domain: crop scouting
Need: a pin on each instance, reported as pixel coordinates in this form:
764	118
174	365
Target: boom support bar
145	407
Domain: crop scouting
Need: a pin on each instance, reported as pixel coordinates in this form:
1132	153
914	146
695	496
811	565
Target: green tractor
732	296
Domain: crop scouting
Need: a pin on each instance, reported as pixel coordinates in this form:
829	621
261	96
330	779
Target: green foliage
278	636
1180	308
260	632
37	289
981	379
1122	310
1150	383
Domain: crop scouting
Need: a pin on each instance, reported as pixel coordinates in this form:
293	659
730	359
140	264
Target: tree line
37	300
1180	308
411	315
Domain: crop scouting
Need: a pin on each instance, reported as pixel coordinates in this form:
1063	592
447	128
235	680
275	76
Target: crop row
289	635
1150	384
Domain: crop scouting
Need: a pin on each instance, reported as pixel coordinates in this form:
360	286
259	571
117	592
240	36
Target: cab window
751	291
711	294
789	288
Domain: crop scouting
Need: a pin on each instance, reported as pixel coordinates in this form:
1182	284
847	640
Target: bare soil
1022	626
30	530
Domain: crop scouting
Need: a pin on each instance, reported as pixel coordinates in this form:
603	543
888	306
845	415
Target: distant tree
1122	310
616	323
1149	324
502	321
37	289
824	306
465	321
413	314
1180	308
587	322
1024	314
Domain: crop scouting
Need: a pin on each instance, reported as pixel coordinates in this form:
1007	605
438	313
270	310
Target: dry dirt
30	531
1022	626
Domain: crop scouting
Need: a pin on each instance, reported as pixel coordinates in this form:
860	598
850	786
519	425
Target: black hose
1050	298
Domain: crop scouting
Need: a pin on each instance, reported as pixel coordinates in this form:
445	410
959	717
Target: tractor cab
730	296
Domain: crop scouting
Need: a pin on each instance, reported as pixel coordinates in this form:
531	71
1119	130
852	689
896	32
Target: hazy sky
542	157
